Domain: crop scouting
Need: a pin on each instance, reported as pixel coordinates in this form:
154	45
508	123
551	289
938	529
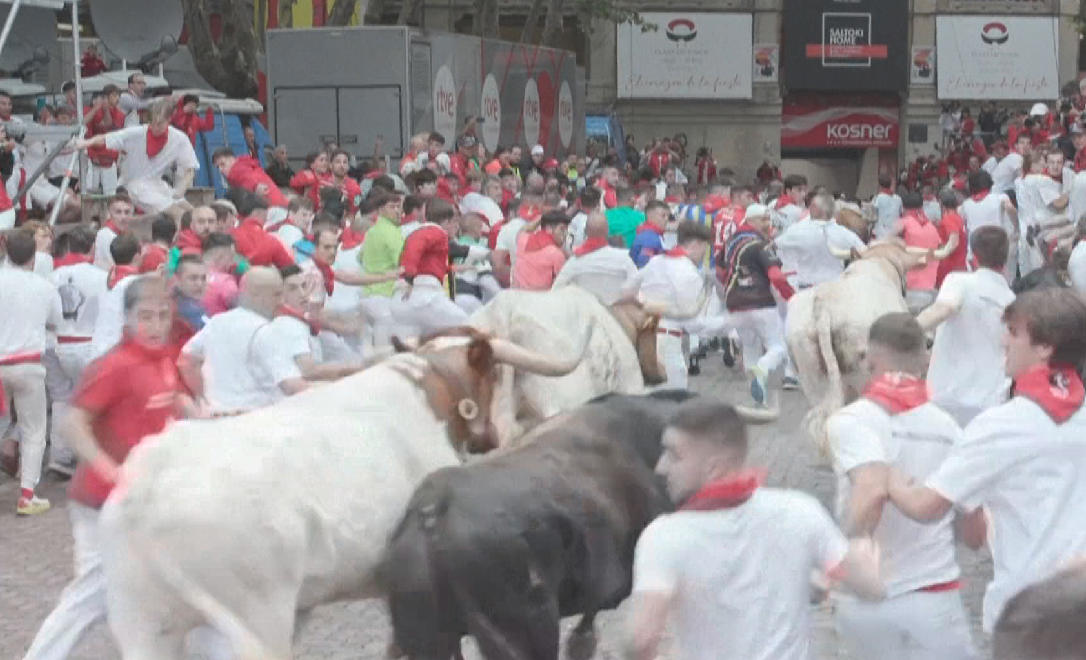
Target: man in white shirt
888	207
791	205
1009	168
894	423
987	208
672	278
966	374
804	248
152	152
999	152
82	288
1024	462
604	271
30	304
590	201
120	215
731	569
294	227
247	366
109	326
132	101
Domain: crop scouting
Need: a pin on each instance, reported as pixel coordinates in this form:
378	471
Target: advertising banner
813	125
922	69
998	58
846	45
766	62
690	55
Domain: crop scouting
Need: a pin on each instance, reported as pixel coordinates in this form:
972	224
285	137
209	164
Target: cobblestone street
37	560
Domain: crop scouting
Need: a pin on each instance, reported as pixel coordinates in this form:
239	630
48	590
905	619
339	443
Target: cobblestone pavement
36	560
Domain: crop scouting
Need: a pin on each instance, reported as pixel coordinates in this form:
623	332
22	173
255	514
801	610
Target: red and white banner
820	127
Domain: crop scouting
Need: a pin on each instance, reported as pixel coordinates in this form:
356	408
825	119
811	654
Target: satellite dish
17	88
144	32
33	28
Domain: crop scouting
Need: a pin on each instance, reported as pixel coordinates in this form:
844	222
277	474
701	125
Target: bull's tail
832	399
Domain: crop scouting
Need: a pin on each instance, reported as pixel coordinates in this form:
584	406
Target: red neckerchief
673	199
726	493
1057	179
314	326
156	143
714	203
590	245
916	214
187	239
648	226
327	274
276	226
783	201
677	251
529	213
112	226
71	259
351	239
980	195
896	392
539	240
118	273
887	191
1058	390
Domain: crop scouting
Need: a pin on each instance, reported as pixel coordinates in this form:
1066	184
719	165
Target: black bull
503	548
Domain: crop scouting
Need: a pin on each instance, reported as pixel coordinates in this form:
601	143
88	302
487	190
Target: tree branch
342	13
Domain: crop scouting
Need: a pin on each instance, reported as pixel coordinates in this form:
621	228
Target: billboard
690	55
846	45
1006	58
814	122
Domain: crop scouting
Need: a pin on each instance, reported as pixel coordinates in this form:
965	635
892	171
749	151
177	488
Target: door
305	119
368	112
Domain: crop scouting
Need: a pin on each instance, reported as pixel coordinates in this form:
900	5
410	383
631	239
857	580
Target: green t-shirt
623	221
380	253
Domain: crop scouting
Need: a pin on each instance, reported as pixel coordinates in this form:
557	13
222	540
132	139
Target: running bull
828	324
246	523
621	357
504	547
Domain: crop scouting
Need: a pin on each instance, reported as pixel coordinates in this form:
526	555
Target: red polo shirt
258	246
248	174
131	392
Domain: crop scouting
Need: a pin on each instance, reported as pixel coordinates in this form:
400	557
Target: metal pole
67	179
78	87
33	177
9	23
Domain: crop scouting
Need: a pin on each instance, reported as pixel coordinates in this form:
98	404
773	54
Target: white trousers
379	323
669	350
913	626
761	332
789	366
83	602
64	366
25	384
104	177
151	194
425	308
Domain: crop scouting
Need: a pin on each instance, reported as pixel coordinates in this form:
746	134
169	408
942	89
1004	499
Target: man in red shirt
185	119
427	305
251	240
102	117
352	192
128	394
952	233
245	172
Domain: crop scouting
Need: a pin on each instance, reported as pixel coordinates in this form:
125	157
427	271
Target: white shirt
1077	267
990	164
1027	472
507	237
102	242
967	359
1005	173
988	211
888	210
43	264
674	281
29	303
288	235
409	228
137	165
607	273
295	338
914	555
82	289
786	216
244	361
109	326
575	235
804	248
740	578
345	297
474	202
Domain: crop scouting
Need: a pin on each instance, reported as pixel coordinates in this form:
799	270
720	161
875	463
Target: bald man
249	366
604	271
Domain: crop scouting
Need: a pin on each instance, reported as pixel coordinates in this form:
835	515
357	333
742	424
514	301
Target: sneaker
790	383
32	506
759	391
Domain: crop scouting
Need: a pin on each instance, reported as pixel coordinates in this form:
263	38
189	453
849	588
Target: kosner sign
818	127
689	56
997	58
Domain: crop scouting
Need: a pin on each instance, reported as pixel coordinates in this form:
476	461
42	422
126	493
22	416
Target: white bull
828	326
246	523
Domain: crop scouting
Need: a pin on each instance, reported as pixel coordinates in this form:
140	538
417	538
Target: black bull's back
504	547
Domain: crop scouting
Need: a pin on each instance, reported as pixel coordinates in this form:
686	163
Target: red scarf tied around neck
590	245
1058	390
726	493
112	226
314	326
897	393
118	273
156	143
980	195
539	240
648	226
187	239
327	274
677	251
71	259
351	239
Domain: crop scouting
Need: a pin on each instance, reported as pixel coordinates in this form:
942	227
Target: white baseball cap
1038	110
537	150
757	211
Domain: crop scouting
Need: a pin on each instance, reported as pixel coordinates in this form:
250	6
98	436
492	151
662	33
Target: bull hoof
581	645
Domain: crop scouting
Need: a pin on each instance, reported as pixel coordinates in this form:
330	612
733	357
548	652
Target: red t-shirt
248	174
131	392
952	223
258	246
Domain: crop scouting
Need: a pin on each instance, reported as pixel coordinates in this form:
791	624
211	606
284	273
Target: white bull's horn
919	251
942	252
757	415
530	361
843	255
654	307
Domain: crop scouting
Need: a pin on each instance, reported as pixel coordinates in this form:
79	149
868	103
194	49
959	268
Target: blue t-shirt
646	245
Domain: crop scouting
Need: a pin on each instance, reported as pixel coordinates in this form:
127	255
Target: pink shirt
921	232
535	270
221	294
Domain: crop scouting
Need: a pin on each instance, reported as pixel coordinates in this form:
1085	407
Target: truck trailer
352	85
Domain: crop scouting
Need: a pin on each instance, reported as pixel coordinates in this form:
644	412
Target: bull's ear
480	355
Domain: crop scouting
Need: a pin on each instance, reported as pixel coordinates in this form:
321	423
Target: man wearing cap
536	164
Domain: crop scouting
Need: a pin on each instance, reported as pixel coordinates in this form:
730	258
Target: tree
229	65
587	12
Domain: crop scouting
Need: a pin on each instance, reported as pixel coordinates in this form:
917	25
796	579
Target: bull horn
838	253
654	307
529	361
942	252
918	251
757	415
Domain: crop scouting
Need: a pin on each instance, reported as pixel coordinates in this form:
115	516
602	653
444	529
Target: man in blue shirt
649	240
191	278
